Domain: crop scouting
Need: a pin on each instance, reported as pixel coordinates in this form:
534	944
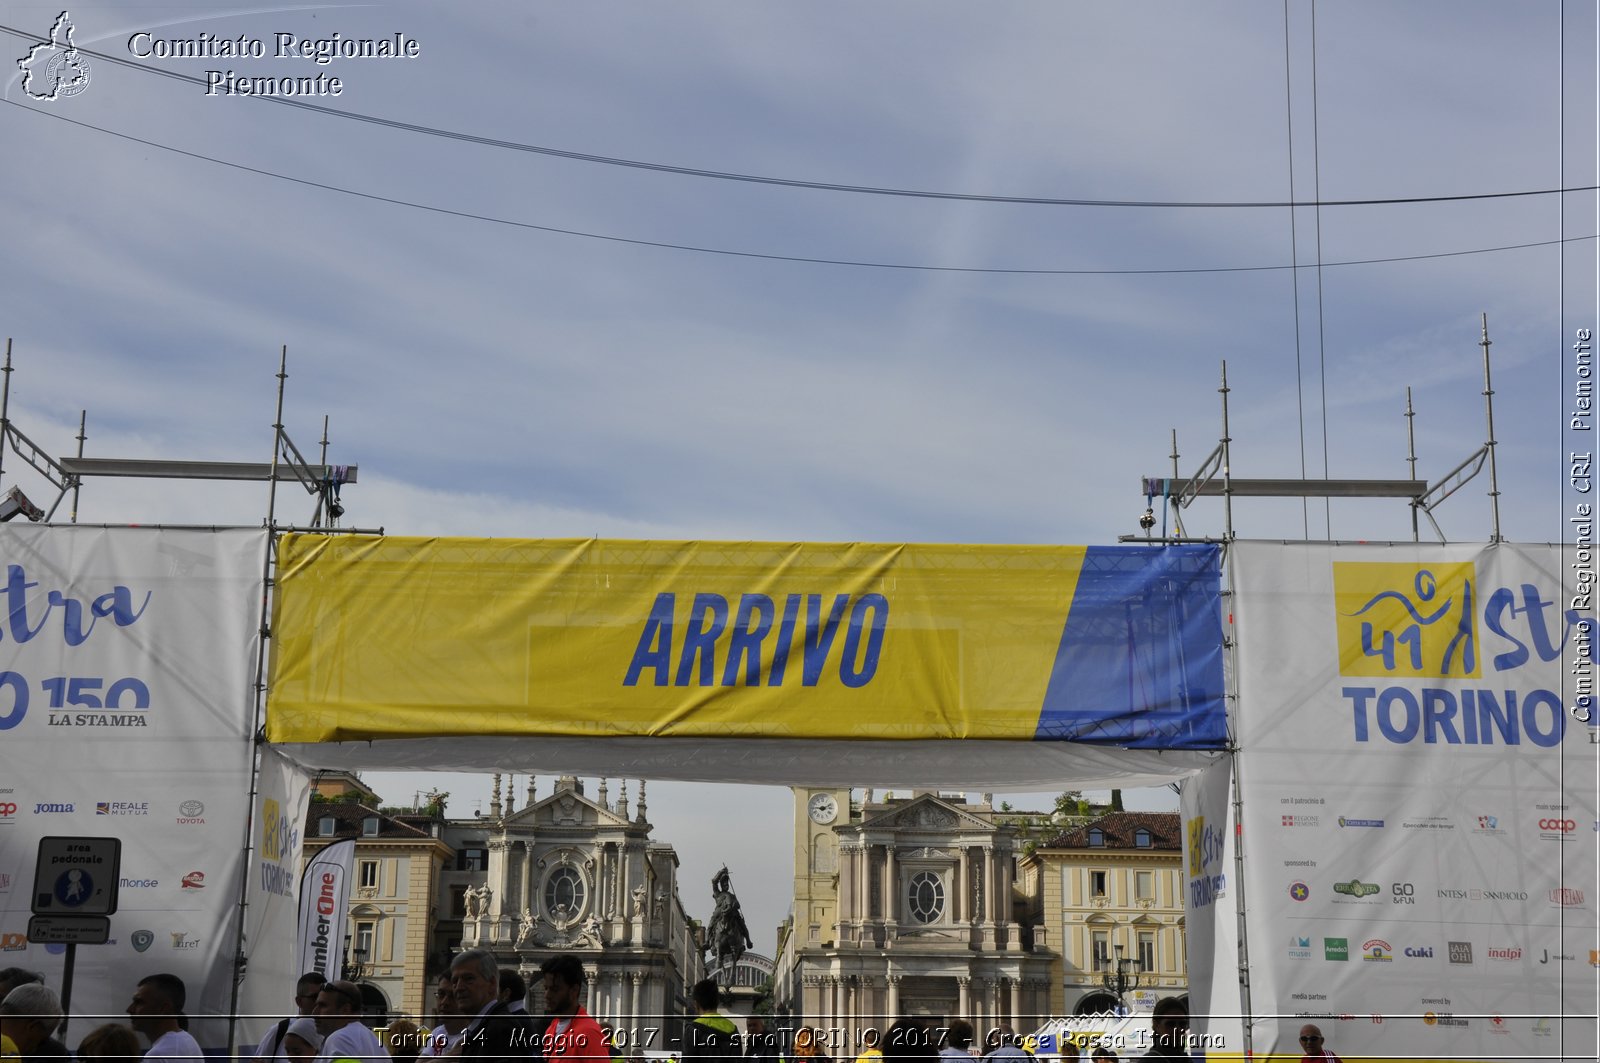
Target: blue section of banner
1140	661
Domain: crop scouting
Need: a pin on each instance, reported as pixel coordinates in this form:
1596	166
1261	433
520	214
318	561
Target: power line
791	182
768	256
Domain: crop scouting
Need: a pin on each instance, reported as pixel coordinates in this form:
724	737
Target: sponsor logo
55	70
191	812
141	939
11	942
1301	821
1497	1024
1419	952
8	809
1541	1027
1563	897
1299	891
1428	823
1441	1018
1299	948
1336	949
1299	863
45	808
1511	952
181	940
1553	829
1376	950
194	880
1488	825
1343	822
1475	894
1403	893
1460	951
1594	957
138	883
1356	888
1546	956
122	808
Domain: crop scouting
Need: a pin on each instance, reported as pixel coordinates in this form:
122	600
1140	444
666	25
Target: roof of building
1119	830
349	821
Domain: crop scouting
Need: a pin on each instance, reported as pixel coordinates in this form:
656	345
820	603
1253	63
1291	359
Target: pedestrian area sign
77	876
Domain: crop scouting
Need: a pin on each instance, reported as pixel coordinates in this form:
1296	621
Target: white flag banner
1418	775
1210	910
126	708
283	791
324	899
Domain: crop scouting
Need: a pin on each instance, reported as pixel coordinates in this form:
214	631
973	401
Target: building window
326	826
564	894
369	826
473	857
1100	950
1147	950
1097	883
925	897
1144	885
458	902
1097	838
362	946
369	874
1142	839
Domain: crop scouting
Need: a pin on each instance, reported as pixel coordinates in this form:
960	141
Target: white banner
283	791
126	662
1419	796
1211	911
324	901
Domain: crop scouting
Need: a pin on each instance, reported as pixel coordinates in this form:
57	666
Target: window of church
564	894
925	897
474	856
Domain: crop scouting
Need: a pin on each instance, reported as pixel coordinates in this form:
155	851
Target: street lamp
355	961
1121	976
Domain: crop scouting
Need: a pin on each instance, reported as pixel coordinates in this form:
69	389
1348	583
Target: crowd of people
480	1013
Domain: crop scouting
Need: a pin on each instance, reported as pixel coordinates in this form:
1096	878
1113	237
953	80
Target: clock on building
823	808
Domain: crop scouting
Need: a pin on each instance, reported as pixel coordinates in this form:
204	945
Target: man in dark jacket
494	1032
711	1035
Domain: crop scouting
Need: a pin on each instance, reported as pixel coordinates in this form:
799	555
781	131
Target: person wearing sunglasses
271	1049
1311	1046
338	1017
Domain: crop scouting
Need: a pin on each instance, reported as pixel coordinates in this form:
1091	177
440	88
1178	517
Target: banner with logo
283	793
400	638
1419	766
324	904
1211	931
126	662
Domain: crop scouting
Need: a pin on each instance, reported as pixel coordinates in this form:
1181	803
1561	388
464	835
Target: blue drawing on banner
1426	588
74	887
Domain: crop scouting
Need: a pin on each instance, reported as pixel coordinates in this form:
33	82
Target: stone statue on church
525	930
729	936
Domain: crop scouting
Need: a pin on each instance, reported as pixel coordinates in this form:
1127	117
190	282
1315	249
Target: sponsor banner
128	656
407	638
1210	906
272	881
324	901
1418	758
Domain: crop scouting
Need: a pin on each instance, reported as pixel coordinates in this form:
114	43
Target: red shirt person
572	1033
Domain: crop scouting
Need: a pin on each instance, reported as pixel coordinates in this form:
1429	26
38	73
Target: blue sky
491	379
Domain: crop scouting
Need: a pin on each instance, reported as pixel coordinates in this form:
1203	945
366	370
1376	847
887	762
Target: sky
511	340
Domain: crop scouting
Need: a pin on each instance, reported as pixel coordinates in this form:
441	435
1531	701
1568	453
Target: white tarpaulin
126	663
1419	790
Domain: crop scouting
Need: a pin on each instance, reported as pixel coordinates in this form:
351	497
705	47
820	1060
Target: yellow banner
405	637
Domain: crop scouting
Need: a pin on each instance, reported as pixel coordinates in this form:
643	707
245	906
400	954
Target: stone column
635	980
847	910
964	1005
893	1007
960	900
891	887
527	875
864	881
1016	1006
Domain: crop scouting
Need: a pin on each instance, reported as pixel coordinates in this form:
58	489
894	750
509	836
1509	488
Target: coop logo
194	880
1402	622
1460	952
191	813
1376	950
49	809
1356	888
1337	949
1511	953
1419	952
1564	897
1343	822
8	810
1302	821
1299	891
1299	948
56	69
122	808
1556	829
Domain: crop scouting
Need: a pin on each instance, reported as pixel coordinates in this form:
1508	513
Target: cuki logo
194	880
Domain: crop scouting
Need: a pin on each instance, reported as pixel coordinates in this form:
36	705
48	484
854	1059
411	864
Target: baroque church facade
575	873
907	906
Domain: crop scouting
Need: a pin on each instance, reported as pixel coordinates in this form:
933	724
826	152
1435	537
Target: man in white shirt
157	1012
271	1050
344	1035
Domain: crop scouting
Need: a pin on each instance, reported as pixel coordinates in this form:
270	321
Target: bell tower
817	811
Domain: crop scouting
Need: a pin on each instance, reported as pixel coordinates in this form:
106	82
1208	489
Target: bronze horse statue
729	937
